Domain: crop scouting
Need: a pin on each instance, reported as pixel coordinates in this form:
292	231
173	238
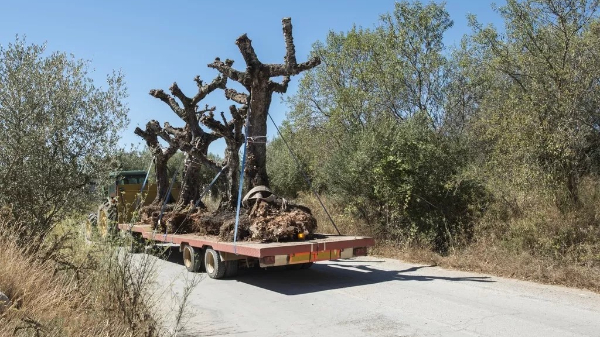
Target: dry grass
495	260
66	289
540	244
346	224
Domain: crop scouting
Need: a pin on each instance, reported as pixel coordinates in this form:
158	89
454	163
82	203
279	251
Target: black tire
306	265
293	266
134	242
93	219
90	227
214	266
192	258
107	220
231	268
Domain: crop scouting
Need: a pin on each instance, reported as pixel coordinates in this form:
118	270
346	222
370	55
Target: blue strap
209	186
139	201
162	210
239	201
145	181
200	198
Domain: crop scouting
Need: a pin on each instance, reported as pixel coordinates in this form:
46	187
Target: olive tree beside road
57	130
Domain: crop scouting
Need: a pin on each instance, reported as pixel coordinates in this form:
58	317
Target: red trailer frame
221	259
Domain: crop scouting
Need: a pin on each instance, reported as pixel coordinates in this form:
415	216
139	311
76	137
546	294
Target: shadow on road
338	275
330	275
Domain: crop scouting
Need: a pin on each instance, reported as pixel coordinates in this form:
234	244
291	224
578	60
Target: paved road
379	297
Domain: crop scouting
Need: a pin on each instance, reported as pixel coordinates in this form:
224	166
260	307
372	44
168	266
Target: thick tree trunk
256	79
161	156
190	185
162	179
232	160
256	161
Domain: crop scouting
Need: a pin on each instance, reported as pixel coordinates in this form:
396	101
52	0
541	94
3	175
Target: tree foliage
539	112
423	142
57	129
369	121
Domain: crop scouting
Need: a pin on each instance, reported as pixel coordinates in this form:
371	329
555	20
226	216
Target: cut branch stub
290	49
161	155
257	80
232	94
245	46
169	100
226	69
203	90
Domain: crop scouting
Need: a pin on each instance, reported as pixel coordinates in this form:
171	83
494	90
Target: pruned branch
178	133
245	46
203	90
226	69
206	110
290	66
176	91
169	100
279	87
232	94
290	49
282	69
224	119
238	114
210	122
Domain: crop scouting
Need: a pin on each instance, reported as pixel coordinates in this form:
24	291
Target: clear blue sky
157	42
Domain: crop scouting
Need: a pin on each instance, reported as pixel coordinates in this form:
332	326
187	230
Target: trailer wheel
293	267
214	266
306	265
107	220
133	242
192	258
231	268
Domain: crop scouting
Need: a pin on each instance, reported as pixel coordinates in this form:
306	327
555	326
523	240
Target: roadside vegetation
59	134
58	286
482	156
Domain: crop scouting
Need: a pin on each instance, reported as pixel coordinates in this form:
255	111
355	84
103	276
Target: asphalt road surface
371	296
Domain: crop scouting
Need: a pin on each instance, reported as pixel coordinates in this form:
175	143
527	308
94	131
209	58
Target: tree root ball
266	222
269	222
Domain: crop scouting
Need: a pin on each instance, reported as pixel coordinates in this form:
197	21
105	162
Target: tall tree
543	87
191	139
231	131
257	81
161	155
57	129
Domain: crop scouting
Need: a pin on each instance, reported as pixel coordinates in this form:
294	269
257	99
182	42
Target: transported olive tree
57	130
191	139
161	156
256	79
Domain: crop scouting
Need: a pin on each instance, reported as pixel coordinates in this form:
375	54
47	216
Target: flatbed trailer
222	259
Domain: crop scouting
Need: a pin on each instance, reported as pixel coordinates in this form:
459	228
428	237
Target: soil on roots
265	222
270	222
149	214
